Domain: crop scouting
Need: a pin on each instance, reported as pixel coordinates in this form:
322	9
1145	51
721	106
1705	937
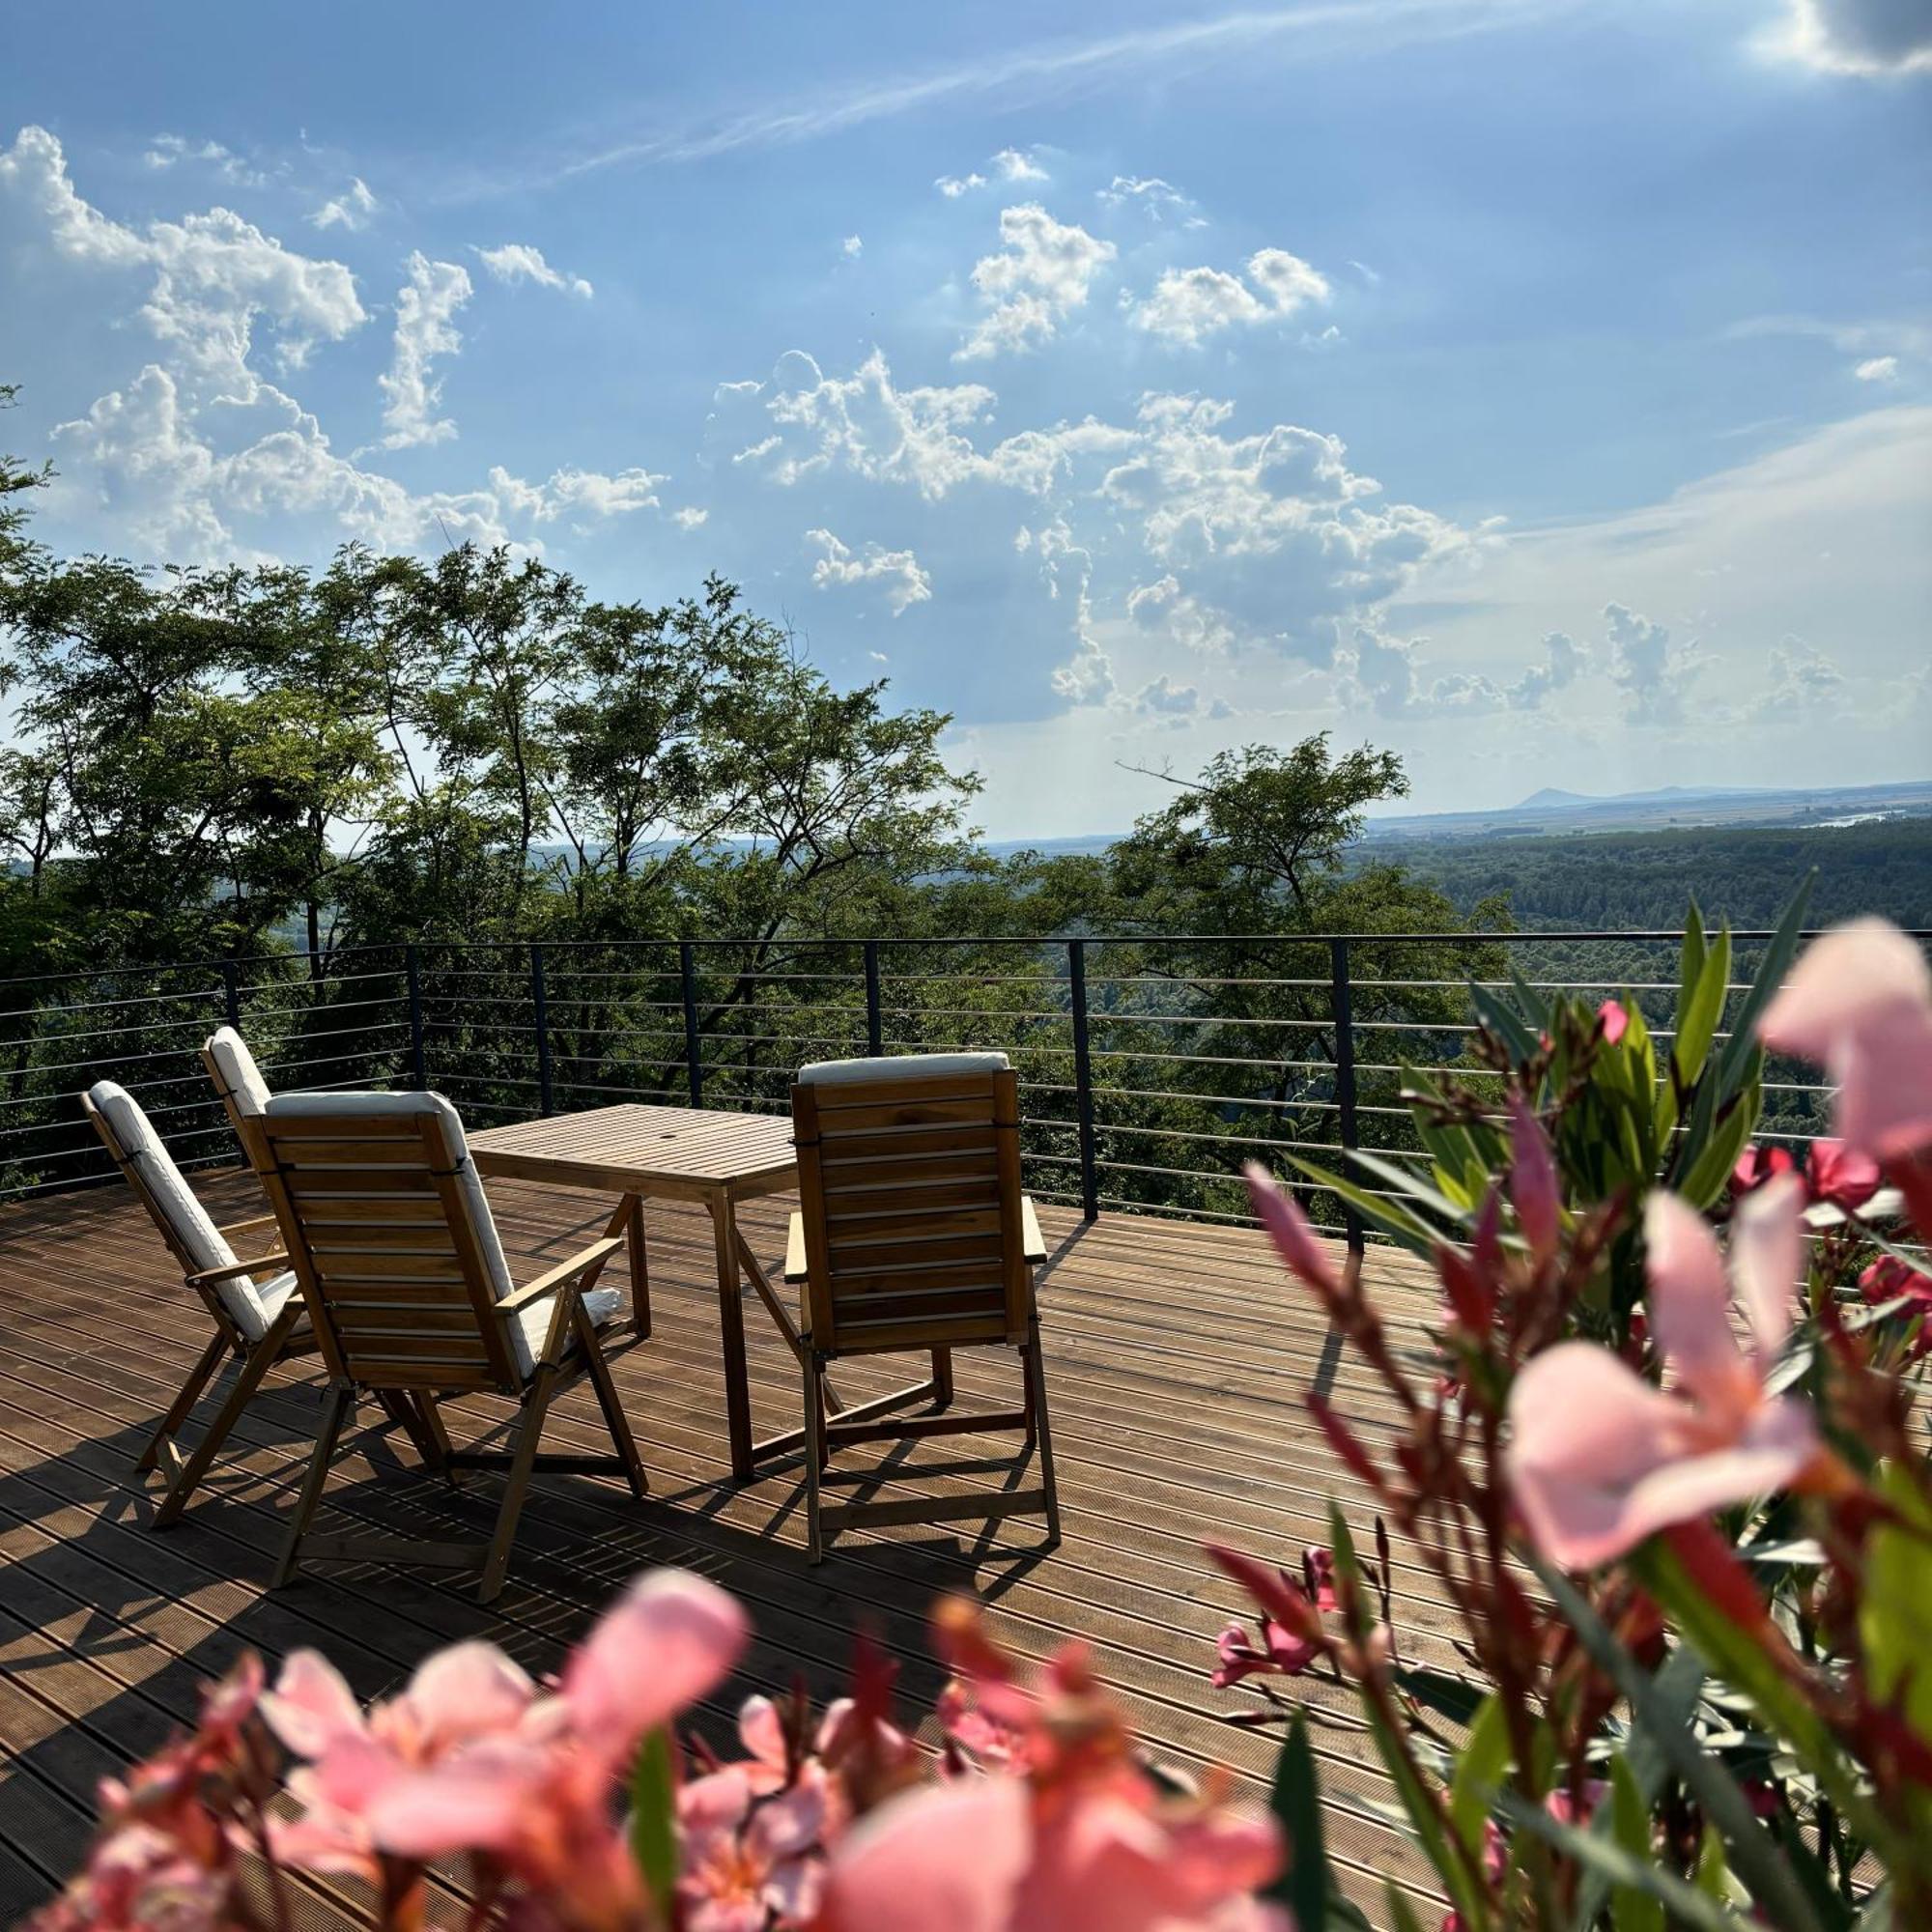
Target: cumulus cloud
853	246
213	275
1015	164
351	208
517	262
689	516
804	423
1387	672
952	186
1563	657
1043	272
1802	686
1188	305
1652	670
897	571
1877	369
1868	38
426	307
1163	698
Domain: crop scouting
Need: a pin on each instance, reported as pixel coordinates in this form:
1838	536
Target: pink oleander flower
471	1758
1840	1175
1535	1192
1599	1459
1614	1016
1889	1279
747	1854
1106	1852
1279	1654
1291	1231
1317	1575
1757	1165
1859	1004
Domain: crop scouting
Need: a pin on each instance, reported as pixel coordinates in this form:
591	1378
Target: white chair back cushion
899	1067
240	1078
168	1196
413	1106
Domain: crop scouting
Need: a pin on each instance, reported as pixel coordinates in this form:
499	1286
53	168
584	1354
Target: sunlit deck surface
1177	1357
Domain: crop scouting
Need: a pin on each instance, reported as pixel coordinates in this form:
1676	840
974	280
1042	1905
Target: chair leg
429	1419
405	1413
1035	1376
814	1453
941	1378
255	1364
523	1465
605	1386
336	1406
182	1406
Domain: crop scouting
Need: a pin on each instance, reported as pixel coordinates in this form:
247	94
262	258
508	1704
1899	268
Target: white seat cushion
237	1075
899	1067
169	1196
530	1327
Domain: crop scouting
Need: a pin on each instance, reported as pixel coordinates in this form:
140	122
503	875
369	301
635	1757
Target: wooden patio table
679	1154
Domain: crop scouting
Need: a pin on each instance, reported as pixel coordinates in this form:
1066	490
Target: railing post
1342	1008
693	1065
412	971
230	992
875	1030
1083	1077
541	1004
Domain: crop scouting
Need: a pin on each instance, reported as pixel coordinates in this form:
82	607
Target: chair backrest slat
390	1237
909	1183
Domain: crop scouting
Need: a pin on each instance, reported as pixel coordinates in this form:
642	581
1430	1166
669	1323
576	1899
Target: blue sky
1542	389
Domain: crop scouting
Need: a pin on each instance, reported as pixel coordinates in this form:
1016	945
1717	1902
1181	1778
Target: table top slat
645	1144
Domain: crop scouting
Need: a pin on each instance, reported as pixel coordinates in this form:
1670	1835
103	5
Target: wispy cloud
1029	74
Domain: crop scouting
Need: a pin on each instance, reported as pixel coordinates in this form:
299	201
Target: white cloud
1163	697
1652	670
1045	272
1804	686
1011	164
1878	369
689	516
517	262
1154	197
169	150
1563	658
213	275
351	208
898	571
1188	305
952	186
426	305
853	246
1868	38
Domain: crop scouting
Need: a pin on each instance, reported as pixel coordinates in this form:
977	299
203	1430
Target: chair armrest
795	1268
208	1277
551	1279
233	1228
1033	1244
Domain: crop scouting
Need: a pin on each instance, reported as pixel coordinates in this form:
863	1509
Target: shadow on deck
1177	1357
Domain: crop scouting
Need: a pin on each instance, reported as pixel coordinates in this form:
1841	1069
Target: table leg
640	1273
731	1321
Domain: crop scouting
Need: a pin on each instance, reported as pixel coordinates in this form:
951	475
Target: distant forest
1626	881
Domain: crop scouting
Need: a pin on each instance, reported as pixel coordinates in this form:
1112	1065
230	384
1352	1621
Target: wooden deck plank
1167	1424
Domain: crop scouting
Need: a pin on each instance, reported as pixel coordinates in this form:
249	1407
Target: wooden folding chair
256	1313
393	1241
913	1235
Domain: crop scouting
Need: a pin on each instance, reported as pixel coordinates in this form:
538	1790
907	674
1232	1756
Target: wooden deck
1168	1426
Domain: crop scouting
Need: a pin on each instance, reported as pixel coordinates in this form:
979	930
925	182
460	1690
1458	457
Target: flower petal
1690	1305
1853	975
1290	1229
1768	1261
668	1640
944	1860
469	1690
311	1705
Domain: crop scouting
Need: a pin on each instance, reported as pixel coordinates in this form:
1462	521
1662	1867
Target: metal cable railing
1151	1065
